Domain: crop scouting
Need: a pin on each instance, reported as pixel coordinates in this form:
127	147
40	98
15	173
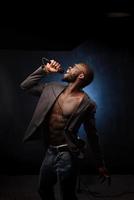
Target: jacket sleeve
92	136
32	83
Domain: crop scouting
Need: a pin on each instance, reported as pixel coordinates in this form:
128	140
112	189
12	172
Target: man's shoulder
55	84
89	98
91	102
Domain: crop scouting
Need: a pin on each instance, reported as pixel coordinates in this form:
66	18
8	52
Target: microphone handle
46	60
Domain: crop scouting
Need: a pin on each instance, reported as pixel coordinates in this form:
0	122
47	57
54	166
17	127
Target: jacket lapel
45	102
78	113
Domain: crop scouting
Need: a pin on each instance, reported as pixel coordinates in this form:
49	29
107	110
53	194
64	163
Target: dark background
100	34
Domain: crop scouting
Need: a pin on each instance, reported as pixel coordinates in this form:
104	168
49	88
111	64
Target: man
60	112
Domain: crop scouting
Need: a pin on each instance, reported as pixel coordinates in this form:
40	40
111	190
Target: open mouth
67	71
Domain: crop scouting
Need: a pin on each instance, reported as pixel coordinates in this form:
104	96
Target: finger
52	61
53	69
57	64
53	66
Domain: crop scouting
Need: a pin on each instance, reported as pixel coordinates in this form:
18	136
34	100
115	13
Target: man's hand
52	67
104	175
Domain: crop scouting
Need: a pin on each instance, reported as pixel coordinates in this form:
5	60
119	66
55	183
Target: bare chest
66	105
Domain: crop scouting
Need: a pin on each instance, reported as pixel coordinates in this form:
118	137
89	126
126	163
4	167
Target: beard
70	78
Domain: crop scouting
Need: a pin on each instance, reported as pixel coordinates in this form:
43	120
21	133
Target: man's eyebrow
79	68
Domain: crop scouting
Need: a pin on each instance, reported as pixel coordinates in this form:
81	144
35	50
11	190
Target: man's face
72	73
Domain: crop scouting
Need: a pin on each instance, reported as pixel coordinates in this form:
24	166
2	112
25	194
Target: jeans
57	167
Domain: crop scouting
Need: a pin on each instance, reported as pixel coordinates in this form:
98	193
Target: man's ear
81	76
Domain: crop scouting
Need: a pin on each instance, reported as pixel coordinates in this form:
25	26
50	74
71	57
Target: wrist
45	69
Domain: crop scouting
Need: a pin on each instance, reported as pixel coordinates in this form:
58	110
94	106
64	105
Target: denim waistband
59	148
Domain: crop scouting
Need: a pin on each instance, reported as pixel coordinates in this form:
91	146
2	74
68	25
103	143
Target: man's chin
64	78
68	78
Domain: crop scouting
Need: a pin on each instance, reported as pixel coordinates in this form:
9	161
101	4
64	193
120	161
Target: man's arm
31	83
93	139
92	136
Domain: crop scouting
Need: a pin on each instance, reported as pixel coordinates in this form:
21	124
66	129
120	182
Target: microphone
46	60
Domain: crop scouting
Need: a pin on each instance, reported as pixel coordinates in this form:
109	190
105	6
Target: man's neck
72	88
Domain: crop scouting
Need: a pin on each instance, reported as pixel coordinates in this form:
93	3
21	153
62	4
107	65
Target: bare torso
61	111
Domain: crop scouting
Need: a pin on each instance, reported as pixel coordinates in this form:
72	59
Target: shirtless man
59	163
66	103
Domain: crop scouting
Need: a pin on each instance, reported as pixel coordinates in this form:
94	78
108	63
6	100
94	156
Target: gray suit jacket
48	93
